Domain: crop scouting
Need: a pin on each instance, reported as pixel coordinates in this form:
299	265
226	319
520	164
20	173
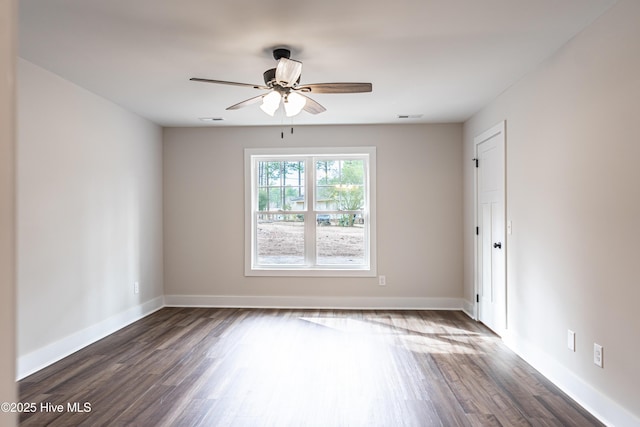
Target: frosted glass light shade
270	103
294	104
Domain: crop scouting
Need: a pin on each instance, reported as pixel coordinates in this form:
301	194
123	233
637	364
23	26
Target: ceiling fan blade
288	71
336	88
247	102
222	82
312	106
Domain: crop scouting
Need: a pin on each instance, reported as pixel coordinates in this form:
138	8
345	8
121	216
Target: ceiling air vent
409	116
211	119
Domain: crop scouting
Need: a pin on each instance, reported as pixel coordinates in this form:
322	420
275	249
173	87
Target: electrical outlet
571	340
597	354
382	280
136	288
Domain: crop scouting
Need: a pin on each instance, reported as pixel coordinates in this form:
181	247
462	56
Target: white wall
573	194
89	212
8	13
419	200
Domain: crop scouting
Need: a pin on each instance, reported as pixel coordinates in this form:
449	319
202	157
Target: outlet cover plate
597	354
571	340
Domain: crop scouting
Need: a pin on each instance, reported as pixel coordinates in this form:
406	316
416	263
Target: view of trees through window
330	200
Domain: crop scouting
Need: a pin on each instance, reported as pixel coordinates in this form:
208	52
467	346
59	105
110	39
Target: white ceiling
442	59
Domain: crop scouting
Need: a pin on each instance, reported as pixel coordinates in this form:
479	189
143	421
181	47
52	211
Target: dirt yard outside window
282	242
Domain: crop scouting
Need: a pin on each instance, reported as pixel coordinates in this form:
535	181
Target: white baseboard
45	356
469	308
598	404
356	303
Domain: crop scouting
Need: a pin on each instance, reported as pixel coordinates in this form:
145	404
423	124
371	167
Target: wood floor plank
274	367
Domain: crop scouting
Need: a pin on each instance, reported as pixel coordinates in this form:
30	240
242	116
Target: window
310	212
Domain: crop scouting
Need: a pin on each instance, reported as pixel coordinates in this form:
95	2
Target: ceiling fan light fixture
270	103
283	84
293	104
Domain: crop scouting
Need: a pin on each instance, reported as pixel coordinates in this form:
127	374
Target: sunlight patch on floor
426	339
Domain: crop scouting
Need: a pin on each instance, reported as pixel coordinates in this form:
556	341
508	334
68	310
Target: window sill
310	272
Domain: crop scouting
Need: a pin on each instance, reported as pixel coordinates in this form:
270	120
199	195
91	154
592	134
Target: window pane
280	239
327	174
327	171
339	185
294	198
271	173
293	173
280	185
269	198
325	198
340	239
350	197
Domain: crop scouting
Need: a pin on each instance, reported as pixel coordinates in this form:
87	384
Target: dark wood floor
241	367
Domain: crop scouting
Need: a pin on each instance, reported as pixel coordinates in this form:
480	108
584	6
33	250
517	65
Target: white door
491	245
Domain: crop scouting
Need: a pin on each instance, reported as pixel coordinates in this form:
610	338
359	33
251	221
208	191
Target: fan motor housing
269	76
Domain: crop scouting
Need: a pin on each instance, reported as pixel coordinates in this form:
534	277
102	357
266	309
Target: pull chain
282	130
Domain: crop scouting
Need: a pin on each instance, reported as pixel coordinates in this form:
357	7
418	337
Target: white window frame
253	155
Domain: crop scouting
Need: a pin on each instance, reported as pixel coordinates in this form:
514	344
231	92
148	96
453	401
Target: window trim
250	154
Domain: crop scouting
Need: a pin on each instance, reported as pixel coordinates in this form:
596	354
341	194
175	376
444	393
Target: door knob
497	245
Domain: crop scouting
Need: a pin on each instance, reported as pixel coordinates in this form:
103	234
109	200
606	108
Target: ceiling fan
283	84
